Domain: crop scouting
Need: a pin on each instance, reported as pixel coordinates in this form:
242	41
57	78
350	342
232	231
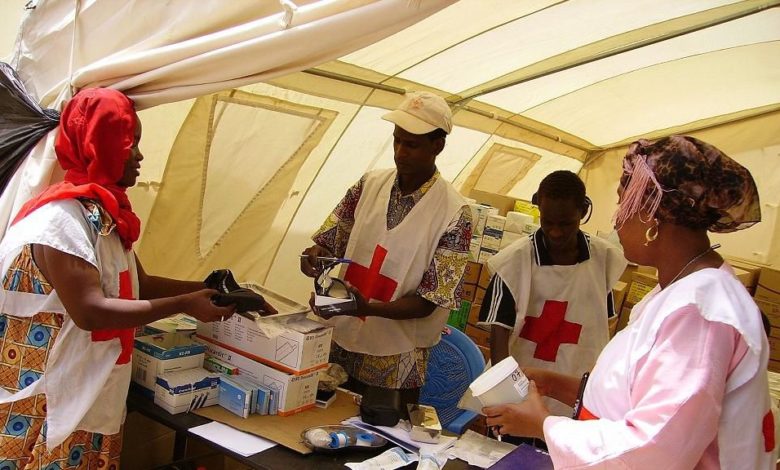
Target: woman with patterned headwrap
68	302
684	384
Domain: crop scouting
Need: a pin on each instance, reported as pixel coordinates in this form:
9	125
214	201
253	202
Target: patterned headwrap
684	181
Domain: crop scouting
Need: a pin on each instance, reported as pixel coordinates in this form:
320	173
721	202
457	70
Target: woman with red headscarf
684	385
69	299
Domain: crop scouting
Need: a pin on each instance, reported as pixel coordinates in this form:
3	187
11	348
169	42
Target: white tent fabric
242	177
160	52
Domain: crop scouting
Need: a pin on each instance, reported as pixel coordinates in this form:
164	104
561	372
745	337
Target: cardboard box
628	272
161	354
502	204
625	314
619	295
473	317
774	348
468	292
471	274
772	312
485	352
303	346
515	221
296	392
484	278
480	214
752	270
479	296
186	390
474	246
479	335
491	240
641	285
768	287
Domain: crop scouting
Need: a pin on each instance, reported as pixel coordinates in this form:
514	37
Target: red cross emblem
126	336
370	281
550	330
768	429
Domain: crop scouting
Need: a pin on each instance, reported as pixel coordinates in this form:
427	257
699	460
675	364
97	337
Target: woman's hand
199	305
524	419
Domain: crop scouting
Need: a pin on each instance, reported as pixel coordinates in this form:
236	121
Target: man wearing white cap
407	233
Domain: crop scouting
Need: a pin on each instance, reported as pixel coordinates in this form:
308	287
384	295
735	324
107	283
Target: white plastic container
501	384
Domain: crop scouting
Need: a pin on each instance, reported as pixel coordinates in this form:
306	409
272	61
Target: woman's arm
155	287
78	286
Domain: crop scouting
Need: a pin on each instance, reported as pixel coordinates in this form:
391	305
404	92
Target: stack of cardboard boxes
767	297
476	280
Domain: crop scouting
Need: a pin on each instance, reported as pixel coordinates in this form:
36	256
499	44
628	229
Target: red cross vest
87	373
388	264
561	321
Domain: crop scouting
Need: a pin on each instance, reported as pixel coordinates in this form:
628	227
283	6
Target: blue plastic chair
453	364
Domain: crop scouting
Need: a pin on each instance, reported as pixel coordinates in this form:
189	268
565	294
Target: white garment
581	290
410	248
85	388
613	391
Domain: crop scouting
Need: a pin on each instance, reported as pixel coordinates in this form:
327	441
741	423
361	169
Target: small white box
296	392
491	241
163	353
515	221
303	346
474	246
509	238
186	390
495	222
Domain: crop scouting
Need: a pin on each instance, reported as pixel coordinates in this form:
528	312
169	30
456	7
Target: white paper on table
400	435
240	442
479	450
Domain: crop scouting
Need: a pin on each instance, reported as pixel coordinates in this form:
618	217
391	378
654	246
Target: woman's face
133	163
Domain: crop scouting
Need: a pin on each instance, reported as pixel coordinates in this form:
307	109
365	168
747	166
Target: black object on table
275	458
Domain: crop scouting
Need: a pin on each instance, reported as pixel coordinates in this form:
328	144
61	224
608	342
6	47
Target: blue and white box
186	390
234	396
163	353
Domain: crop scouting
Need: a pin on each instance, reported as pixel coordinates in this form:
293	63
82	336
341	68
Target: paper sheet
230	438
479	450
400	435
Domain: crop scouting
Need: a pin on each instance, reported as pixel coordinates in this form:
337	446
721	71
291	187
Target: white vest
720	298
410	248
579	290
85	389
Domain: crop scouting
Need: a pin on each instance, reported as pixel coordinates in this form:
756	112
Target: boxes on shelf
186	390
509	238
526	207
468	292
484	277
296	392
473	317
619	295
749	274
480	335
479	295
303	346
471	274
768	287
772	312
499	202
485	254
163	353
641	285
480	213
474	246
516	221
459	317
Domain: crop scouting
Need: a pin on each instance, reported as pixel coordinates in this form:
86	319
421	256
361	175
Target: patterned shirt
442	282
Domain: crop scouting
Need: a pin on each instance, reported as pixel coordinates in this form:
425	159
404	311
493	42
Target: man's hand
310	266
524	419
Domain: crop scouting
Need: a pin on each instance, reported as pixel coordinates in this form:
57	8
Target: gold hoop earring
651	234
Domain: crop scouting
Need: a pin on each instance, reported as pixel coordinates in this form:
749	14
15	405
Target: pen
580	394
329	258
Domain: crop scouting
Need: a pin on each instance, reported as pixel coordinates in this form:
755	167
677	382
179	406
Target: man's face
415	154
560	221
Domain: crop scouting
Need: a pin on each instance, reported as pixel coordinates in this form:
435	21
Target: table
275	458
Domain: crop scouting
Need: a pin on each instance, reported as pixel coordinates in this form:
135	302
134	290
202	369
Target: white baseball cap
421	112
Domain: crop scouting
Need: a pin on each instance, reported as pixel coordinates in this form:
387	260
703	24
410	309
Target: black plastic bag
22	123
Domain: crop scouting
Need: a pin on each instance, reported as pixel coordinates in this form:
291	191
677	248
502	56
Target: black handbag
380	406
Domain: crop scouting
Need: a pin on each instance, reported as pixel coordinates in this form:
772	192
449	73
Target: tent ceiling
586	67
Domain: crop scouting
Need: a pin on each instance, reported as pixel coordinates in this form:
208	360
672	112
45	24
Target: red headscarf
97	132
